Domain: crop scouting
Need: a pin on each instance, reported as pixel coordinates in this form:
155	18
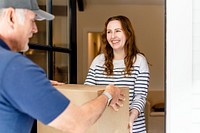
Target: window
52	48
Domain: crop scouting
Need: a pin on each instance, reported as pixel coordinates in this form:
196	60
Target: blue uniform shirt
25	93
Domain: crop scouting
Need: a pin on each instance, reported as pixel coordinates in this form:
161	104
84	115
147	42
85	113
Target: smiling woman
149	29
122	64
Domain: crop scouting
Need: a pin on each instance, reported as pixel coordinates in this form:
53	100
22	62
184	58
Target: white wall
183	66
148	22
179	114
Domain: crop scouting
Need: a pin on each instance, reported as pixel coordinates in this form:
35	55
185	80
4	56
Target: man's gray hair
20	13
1	12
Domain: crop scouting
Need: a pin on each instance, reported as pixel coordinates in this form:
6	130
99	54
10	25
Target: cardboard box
109	122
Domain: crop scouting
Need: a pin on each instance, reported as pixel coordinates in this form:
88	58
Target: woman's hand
56	83
130	126
133	116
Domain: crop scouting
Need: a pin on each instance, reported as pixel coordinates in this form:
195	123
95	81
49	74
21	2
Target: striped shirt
137	81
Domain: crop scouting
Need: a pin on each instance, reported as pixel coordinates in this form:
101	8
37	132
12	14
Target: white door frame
178	66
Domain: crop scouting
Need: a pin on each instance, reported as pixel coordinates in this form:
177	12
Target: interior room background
149	25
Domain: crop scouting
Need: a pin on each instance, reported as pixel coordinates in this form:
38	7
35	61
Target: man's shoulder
8	53
10	58
6	56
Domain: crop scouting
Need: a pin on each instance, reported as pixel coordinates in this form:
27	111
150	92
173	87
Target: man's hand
117	97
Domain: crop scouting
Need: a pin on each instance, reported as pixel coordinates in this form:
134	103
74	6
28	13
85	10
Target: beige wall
148	22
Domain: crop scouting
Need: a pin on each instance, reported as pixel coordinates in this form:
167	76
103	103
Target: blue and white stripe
138	83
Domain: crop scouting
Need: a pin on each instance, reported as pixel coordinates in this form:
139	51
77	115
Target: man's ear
11	17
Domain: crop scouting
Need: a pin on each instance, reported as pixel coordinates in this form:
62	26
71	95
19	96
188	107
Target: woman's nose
113	35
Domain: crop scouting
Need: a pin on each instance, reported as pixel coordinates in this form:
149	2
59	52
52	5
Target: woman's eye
108	32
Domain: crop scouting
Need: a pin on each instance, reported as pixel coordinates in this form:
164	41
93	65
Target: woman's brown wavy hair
130	47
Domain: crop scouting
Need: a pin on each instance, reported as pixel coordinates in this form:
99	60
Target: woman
122	64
